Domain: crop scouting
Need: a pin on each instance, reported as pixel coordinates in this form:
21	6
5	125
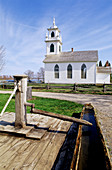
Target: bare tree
40	74
2	55
30	74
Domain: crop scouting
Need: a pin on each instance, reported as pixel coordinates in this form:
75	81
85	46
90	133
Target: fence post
74	87
29	93
48	86
104	88
20	99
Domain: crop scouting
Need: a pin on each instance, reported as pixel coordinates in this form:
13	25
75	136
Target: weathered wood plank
53	148
26	159
50	154
34	119
4	148
53	151
36	133
3	140
46	123
21	153
14	152
24	130
31	162
18	158
12	129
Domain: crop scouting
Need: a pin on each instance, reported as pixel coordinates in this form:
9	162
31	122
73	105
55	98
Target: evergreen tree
100	63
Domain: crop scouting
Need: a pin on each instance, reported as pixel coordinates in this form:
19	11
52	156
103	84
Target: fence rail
72	87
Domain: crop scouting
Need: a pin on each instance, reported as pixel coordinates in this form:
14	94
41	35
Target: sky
84	25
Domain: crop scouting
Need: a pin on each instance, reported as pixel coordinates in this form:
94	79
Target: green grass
81	89
3	100
50	105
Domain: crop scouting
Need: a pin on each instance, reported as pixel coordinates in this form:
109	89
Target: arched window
69	71
52	34
52	48
59	48
56	71
83	71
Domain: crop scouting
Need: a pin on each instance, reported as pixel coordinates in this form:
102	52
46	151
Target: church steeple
53	40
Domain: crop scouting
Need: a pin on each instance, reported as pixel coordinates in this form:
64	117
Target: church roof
76	56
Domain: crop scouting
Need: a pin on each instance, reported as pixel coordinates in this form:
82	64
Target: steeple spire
54	21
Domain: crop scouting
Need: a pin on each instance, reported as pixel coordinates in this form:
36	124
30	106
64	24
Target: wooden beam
62	117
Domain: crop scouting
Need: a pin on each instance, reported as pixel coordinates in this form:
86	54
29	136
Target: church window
56	71
59	48
83	71
52	48
69	71
52	34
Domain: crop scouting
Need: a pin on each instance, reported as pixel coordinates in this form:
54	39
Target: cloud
24	44
81	23
105	47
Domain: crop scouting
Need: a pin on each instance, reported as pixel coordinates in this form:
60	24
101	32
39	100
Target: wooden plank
30	162
53	149
12	129
65	126
36	133
34	119
8	117
7	128
24	130
46	123
40	121
3	139
26	154
6	159
19	158
50	154
4	148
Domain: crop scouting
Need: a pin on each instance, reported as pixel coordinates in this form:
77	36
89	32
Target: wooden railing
73	87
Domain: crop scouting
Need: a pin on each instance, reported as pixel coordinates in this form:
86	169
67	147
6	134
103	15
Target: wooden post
104	88
29	93
48	86
20	99
74	88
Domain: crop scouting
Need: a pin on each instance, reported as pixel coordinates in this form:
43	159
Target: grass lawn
50	105
63	88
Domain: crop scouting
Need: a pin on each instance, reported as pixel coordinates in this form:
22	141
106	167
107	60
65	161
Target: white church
73	66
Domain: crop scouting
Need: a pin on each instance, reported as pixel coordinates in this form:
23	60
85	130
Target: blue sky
84	25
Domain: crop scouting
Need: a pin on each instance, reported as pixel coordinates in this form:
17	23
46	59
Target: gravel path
102	103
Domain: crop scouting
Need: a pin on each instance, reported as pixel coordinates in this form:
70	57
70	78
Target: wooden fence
83	87
74	87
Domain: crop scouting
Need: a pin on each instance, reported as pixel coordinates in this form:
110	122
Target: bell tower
53	40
